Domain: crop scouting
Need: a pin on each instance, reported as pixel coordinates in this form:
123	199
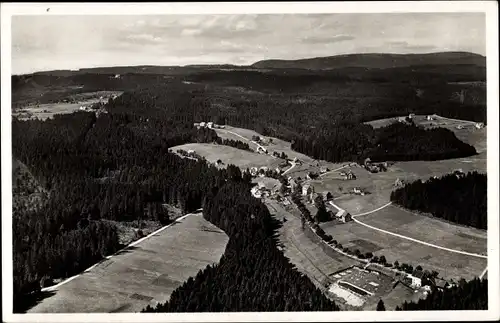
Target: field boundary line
372	211
483	273
51	288
412	239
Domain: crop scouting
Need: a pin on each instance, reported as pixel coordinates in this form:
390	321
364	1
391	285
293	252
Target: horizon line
246	65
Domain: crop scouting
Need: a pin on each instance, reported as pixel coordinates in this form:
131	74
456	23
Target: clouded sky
71	42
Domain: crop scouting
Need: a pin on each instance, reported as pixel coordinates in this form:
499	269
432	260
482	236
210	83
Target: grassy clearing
428	229
449	265
229	155
308	164
145	274
306	255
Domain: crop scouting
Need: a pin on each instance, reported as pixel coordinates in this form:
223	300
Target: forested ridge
252	275
453	197
467	295
117	167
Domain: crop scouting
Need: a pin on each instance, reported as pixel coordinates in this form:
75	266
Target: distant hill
376	61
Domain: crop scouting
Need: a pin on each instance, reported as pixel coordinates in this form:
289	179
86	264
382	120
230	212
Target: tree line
252	275
467	295
117	167
456	197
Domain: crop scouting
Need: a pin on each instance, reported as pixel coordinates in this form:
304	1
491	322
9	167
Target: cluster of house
375	167
210	125
416	280
254	171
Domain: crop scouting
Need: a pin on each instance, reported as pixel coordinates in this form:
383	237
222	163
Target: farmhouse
203	124
348	176
261	150
307	189
411	115
479	125
254	171
340	213
416	279
210	125
358	191
430	118
323	170
398	183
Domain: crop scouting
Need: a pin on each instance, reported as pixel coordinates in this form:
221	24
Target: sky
41	43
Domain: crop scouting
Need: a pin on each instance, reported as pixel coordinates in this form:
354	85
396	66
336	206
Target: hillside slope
376	61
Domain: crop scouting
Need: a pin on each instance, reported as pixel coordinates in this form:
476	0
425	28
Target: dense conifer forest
454	197
470	295
252	275
117	167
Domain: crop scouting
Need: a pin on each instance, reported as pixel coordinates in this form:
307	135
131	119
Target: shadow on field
28	301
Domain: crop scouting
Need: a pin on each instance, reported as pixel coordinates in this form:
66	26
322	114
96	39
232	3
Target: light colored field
230	155
145	274
278	145
431	230
306	255
44	111
448	264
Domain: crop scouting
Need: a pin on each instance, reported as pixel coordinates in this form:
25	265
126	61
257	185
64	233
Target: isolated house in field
340	214
479	125
411	115
278	170
254	171
430	118
459	127
323	170
358	191
261	150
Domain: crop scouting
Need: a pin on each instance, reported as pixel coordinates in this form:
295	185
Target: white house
307	189
430	118
479	125
210	125
202	124
416	279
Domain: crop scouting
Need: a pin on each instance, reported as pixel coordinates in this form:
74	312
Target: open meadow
144	274
272	144
449	265
305	254
48	110
230	155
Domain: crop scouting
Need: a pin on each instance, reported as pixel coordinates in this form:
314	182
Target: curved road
412	239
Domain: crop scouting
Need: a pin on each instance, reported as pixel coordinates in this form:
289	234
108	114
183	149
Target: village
300	186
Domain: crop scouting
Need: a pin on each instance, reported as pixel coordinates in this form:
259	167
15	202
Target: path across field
354	218
143	274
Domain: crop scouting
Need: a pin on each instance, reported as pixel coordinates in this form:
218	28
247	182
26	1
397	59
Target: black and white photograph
250	162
